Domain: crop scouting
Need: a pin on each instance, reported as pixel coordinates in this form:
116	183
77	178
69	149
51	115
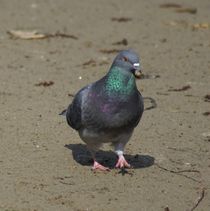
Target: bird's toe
98	166
121	163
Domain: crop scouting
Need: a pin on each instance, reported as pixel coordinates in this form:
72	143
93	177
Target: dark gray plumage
109	109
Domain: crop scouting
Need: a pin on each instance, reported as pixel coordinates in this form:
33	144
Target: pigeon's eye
125	59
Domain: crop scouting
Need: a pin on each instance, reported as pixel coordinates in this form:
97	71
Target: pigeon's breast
103	113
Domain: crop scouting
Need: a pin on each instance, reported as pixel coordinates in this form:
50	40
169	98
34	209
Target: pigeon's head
129	60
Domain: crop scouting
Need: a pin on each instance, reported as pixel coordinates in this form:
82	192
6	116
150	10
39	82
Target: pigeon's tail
63	113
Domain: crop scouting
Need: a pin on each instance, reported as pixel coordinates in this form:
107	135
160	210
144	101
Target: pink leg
98	166
121	163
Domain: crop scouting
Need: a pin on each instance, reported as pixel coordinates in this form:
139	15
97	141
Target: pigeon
108	110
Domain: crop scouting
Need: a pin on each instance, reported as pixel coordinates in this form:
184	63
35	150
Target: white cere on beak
136	65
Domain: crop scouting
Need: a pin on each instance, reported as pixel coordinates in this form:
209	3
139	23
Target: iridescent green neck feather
120	82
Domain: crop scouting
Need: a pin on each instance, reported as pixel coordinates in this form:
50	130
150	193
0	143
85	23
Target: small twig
187	170
122	42
63	113
153	102
188	177
109	51
59	34
71	95
66	183
121	19
172	171
179	172
184	88
45	83
199	199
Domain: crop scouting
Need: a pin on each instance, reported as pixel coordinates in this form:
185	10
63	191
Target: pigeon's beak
137	72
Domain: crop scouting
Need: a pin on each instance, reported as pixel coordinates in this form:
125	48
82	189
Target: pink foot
98	166
121	163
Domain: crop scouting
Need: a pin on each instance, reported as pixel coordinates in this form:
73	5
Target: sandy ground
43	163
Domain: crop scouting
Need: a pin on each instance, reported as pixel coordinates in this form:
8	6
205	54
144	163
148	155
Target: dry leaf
121	19
177	23
183	23
207	98
26	35
122	42
207	113
32	35
179	8
109	51
200	26
45	83
170	5
187	10
184	88
90	62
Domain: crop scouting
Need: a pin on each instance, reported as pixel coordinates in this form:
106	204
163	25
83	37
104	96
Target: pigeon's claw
122	163
98	166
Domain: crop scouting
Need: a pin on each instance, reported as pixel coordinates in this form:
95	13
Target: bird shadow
107	158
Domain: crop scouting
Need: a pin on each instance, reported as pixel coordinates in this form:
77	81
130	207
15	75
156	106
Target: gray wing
74	111
140	110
